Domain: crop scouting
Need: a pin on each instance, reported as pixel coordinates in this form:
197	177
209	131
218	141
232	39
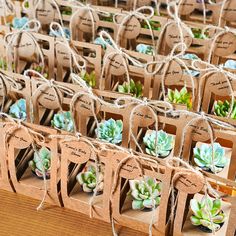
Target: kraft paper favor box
77	155
20	152
122	212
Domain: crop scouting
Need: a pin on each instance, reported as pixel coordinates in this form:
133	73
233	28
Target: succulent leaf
133	88
18	109
63	121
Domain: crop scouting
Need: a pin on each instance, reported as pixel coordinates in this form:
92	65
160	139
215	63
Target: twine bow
12	37
117	51
138	14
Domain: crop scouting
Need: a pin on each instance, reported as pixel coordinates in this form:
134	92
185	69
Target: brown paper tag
219	84
48	98
131	28
114	62
187	6
199	131
172	36
25	46
84	20
174	73
129	170
45	12
189	183
84	106
77	151
225	45
143	117
20	139
229	11
62	54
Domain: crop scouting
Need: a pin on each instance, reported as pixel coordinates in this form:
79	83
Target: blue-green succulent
204	159
63	121
18	109
145	49
158	143
230	64
18	23
110	131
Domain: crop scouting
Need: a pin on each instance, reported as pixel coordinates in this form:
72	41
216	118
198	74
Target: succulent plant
155	25
180	97
207	213
67	11
89	78
99	41
158	143
39	68
145	193
88	180
197	33
110	131
41	162
145	49
57	33
18	23
190	56
63	121
18	109
230	64
222	109
135	89
203	157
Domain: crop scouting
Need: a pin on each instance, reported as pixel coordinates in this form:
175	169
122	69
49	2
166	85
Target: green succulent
89	78
41	162
180	97
67	11
135	89
39	68
63	121
155	25
18	109
222	109
158	143
203	157
197	33
145	193
88	180
110	131
207	213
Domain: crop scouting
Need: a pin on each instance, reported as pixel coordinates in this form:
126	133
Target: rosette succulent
145	49
99	41
207	214
88	180
135	89
180	97
41	163
158	143
18	23
145	193
110	131
230	64
222	109
63	121
18	109
89	78
204	159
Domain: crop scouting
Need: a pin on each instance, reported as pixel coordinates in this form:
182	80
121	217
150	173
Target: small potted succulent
145	49
204	159
18	109
41	163
136	89
207	214
18	23
155	25
158	143
63	121
88	180
110	131
180	97
197	33
39	68
190	56
100	41
222	109
230	64
89	78
145	193
57	33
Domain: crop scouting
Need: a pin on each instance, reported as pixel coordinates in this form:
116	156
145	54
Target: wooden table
19	217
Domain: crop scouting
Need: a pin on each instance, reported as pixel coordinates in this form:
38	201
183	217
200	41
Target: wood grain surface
18	217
